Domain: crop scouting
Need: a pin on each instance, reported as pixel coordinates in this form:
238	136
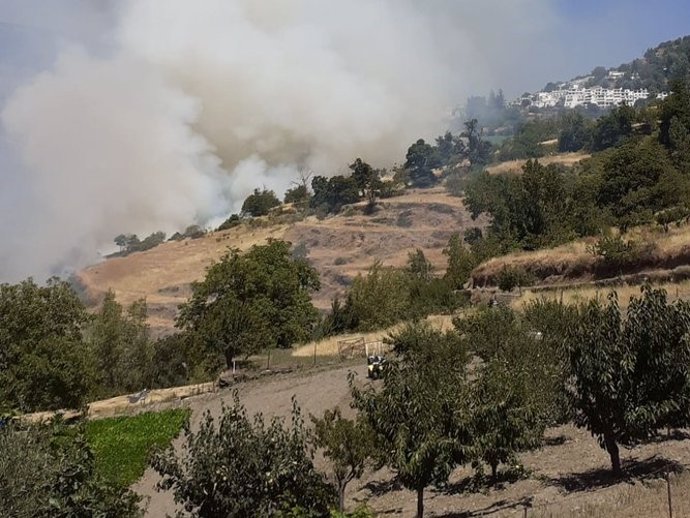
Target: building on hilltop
575	95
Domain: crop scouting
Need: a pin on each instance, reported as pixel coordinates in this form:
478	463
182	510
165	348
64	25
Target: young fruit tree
239	466
346	443
418	416
507	414
630	375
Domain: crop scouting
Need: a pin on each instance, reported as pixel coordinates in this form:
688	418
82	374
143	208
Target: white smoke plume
180	108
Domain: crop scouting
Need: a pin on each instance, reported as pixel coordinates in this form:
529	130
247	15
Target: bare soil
568	477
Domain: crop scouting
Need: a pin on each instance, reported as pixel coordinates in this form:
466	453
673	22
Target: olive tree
630	374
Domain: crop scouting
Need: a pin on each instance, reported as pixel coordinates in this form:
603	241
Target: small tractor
375	366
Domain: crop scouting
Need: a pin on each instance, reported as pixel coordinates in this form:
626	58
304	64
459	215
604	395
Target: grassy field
122	445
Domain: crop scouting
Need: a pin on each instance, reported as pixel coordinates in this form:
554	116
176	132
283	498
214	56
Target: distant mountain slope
655	70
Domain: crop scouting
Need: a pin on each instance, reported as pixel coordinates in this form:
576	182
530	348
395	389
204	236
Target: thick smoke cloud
173	111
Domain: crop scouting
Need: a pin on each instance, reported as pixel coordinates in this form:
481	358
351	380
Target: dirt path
568	477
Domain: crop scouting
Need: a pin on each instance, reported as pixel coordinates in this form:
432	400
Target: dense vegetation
656	70
639	174
49	471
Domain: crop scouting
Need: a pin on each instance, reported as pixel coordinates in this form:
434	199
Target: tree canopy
630	373
251	301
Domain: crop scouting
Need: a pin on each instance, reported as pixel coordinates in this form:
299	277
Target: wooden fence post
668	490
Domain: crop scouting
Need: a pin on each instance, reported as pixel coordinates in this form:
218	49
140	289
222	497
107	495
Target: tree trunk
341	497
229	355
494	472
420	502
612	448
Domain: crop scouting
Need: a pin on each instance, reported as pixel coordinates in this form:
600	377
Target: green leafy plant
347	444
239	466
122	445
630	373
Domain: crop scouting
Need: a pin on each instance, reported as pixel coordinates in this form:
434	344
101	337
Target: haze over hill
143	115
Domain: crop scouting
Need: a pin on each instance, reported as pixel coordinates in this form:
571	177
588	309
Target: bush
48	471
404	219
512	277
236	466
455	184
233	221
259	203
615	252
379	299
673	215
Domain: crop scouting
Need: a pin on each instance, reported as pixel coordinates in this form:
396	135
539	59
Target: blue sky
626	27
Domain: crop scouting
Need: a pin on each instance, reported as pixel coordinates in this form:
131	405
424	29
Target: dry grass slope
340	247
573	262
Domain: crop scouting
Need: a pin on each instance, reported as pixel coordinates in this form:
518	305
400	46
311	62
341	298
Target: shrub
233	221
512	277
404	219
615	252
237	466
455	184
673	215
259	203
48	471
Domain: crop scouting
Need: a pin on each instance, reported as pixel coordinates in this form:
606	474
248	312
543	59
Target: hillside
654	71
340	247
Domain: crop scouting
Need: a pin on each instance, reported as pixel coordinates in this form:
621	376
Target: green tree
478	150
297	195
347	444
367	180
461	262
260	202
506	416
612	129
252	301
119	343
378	299
237	466
48	471
420	161
630	375
330	194
417	417
639	179
363	174
418	266
575	134
43	365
